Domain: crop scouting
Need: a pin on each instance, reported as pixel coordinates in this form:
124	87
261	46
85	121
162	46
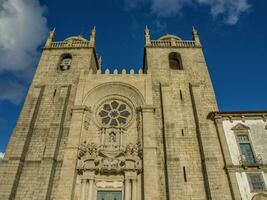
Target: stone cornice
80	108
240	168
238	115
147	108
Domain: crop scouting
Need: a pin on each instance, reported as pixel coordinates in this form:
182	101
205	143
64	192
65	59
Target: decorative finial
194	30
50	38
196	37
100	61
147	36
92	37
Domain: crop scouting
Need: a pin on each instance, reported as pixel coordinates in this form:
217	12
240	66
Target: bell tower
189	153
34	155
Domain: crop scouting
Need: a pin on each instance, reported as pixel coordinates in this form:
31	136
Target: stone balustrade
116	72
72	44
165	43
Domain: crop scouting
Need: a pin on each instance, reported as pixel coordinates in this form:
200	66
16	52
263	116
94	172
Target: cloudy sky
233	34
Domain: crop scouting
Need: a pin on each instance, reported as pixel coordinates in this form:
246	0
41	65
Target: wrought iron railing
255	162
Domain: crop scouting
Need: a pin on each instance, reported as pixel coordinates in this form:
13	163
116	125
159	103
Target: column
90	195
83	188
127	190
139	186
134	189
102	138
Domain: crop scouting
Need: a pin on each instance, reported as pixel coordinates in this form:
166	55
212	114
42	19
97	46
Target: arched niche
110	89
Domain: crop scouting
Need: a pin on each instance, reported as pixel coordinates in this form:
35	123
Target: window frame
175	56
261	176
243	130
62	58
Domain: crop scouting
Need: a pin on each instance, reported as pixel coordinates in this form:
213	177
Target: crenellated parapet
116	72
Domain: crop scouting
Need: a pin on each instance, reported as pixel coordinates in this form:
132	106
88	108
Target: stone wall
35	151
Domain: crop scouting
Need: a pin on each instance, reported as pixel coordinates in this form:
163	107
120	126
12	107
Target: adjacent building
244	143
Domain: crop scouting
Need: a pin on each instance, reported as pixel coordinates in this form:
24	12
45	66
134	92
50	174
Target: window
109	195
114	113
242	138
65	62
245	147
247	153
256	182
175	61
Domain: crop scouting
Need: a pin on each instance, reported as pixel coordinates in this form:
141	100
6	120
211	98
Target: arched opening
175	61
65	62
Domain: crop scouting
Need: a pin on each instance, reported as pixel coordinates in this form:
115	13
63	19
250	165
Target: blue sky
233	34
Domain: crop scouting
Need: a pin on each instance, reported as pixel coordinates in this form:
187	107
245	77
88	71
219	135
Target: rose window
114	113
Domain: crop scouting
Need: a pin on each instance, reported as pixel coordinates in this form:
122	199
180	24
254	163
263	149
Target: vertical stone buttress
33	160
189	153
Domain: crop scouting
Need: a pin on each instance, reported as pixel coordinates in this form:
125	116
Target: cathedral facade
84	134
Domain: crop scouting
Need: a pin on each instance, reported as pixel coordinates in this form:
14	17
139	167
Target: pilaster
151	177
227	159
68	171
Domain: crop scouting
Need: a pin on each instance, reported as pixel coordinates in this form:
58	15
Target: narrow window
65	62
184	171
55	91
256	182
182	132
175	61
181	95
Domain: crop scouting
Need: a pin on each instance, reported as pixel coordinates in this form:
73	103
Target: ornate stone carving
88	148
133	149
93	158
109	184
87	120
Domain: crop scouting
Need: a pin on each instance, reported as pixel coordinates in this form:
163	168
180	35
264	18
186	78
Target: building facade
84	134
244	143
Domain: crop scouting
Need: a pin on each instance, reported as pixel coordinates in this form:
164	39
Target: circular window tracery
114	113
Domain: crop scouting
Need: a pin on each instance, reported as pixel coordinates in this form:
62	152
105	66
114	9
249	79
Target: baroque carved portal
93	158
115	161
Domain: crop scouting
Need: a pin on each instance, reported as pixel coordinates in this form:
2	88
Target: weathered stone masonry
87	135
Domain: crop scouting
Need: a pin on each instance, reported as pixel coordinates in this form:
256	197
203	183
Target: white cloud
167	8
230	10
1	155
12	91
22	29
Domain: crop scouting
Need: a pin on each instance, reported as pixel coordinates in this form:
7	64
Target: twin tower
87	135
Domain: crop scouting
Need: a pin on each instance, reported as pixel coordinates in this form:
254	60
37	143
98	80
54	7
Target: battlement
116	72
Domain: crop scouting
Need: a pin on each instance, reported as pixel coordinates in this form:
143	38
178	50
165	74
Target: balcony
252	162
